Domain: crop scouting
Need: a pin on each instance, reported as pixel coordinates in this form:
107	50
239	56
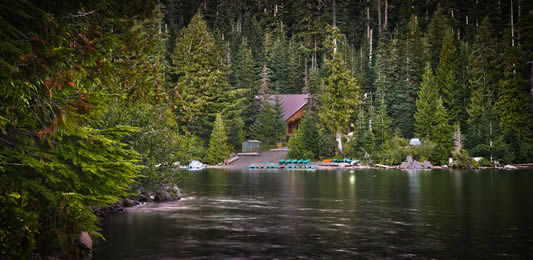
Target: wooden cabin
293	109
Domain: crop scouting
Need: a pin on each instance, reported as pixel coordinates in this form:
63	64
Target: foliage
269	127
341	95
305	142
394	150
64	65
447	77
296	149
201	79
218	149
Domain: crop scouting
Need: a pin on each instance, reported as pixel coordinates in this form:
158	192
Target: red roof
291	103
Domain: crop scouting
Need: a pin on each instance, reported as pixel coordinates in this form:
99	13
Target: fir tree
446	73
482	121
278	65
269	127
294	78
340	99
382	123
513	103
426	105
309	138
202	87
218	150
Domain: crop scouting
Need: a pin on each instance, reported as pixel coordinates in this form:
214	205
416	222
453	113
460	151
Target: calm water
332	214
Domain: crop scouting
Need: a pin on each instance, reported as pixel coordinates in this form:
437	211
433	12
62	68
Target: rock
416	165
427	165
129	203
175	192
509	167
144	198
162	196
409	159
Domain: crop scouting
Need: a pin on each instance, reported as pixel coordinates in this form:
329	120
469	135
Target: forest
100	99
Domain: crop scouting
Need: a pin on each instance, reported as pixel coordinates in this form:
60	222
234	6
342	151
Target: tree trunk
386	14
368	19
338	137
379	17
512	24
427	10
334	14
531	84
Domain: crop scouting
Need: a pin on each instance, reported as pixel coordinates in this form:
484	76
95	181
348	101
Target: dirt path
264	156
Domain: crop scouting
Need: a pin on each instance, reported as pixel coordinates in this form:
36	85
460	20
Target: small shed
251	146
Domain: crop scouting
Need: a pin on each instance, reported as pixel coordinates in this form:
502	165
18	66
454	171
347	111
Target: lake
332	214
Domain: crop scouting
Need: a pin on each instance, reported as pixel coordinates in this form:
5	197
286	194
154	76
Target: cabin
293	109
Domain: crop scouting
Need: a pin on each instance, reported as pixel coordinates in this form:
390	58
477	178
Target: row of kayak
294	161
289	166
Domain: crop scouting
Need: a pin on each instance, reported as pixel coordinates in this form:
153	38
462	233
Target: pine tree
426	105
265	86
482	122
364	139
278	65
202	87
513	103
280	126
448	81
295	80
382	123
246	81
439	24
340	99
218	150
309	138
269	127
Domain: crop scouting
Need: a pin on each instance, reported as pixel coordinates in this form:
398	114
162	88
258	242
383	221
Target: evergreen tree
265	84
280	126
246	81
296	149
340	99
448	81
294	81
482	121
279	66
218	150
202	87
513	103
364	139
439	24
309	138
426	105
382	123
269	127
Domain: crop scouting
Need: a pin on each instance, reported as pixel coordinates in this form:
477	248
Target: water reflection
346	214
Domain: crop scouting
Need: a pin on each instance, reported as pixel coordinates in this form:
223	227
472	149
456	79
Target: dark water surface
332	214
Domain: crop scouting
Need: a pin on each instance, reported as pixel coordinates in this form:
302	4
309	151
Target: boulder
175	192
162	196
144	198
129	203
427	165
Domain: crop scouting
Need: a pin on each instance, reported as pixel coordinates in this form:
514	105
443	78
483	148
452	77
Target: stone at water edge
130	203
162	196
